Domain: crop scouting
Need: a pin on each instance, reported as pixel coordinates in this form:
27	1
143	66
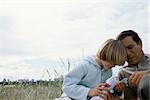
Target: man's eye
130	47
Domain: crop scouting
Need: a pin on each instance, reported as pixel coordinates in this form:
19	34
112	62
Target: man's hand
111	97
119	87
98	90
135	78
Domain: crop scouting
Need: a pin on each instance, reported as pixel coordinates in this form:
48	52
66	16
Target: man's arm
135	78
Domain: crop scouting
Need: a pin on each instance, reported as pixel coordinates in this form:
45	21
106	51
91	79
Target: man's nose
128	53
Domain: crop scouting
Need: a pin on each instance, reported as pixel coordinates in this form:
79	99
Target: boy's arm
71	85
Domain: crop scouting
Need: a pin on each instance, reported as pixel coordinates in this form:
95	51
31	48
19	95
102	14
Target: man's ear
140	44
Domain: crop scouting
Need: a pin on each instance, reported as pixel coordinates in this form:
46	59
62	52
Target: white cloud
32	29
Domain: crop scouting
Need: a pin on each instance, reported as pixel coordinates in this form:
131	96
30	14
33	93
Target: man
138	62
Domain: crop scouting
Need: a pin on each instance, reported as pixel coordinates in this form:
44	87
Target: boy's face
134	50
107	65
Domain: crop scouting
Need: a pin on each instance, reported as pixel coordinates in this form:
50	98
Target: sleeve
71	82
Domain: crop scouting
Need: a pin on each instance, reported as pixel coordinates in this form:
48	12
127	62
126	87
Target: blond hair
113	52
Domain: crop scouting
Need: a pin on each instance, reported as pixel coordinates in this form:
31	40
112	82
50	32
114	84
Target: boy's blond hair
113	52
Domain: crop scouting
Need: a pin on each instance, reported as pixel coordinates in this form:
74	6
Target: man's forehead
128	40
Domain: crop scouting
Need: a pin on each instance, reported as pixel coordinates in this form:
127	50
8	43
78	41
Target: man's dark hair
131	33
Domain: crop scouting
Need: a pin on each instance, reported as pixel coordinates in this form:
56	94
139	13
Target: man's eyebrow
130	45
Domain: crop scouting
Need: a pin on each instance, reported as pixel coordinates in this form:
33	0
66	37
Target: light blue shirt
84	76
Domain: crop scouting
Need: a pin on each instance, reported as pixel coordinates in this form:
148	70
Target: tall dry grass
48	91
30	92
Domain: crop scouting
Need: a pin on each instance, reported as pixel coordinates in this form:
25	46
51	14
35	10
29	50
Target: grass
42	91
31	92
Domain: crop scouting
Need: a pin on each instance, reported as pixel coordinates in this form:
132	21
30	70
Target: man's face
134	50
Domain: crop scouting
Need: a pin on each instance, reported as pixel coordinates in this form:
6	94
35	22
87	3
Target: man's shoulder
145	63
147	56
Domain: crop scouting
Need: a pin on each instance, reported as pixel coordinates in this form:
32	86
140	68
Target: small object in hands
112	81
111	91
127	71
125	81
97	98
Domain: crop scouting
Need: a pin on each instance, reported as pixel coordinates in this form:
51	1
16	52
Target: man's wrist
148	71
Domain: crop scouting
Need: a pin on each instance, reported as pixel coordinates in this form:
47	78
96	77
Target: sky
41	35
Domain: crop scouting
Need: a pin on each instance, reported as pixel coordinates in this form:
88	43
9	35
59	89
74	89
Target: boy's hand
119	87
98	90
